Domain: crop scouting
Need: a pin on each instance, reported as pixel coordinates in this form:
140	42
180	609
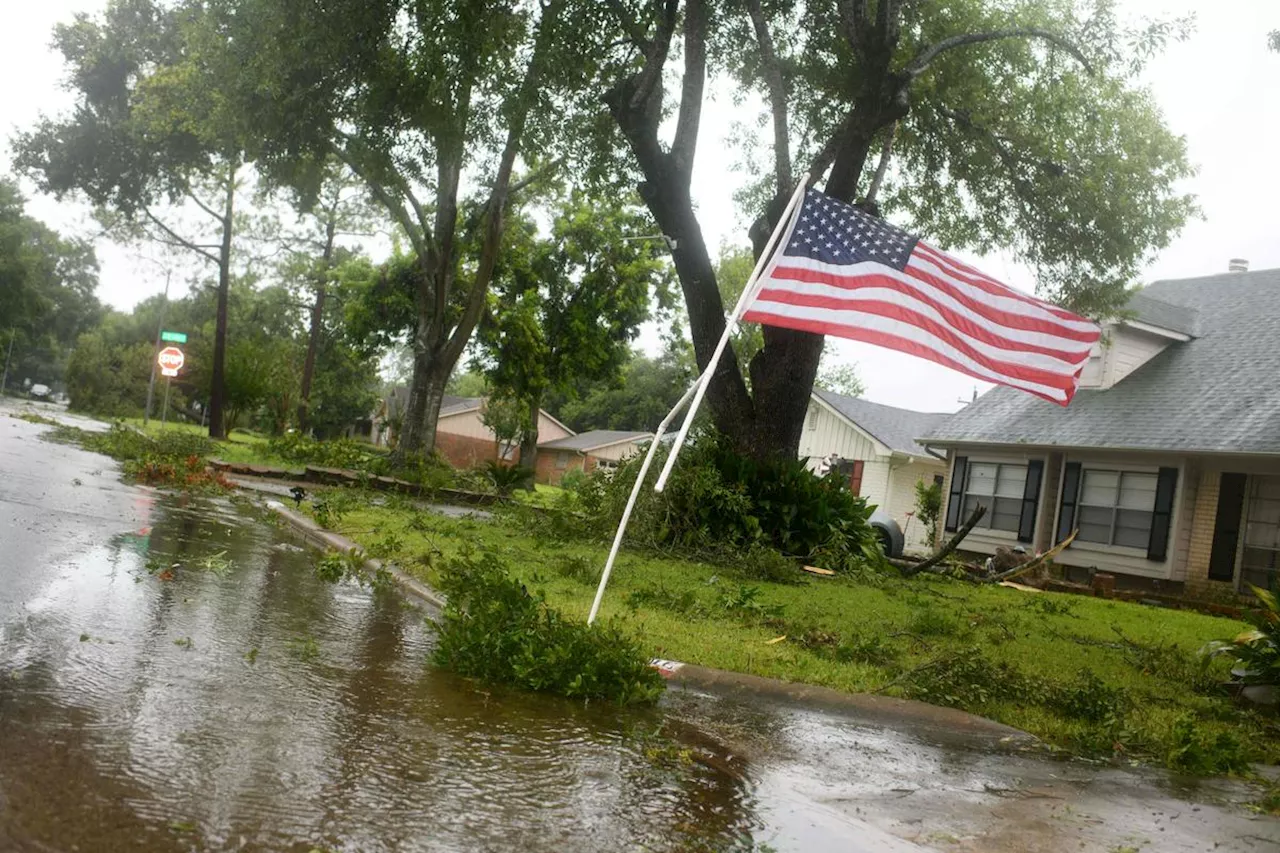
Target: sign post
170	360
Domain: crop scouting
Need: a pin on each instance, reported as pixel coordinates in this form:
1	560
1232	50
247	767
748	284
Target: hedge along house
875	447
587	451
1168	459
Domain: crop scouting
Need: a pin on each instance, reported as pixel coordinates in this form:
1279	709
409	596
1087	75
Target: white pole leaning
785	223
635	493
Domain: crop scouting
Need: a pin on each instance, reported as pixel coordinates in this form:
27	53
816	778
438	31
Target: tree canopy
1016	125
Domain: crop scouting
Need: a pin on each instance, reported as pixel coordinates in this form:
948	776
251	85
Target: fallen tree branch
1018	571
945	550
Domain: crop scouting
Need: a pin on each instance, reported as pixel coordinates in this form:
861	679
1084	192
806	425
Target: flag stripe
897	308
908	339
962	271
887	317
976	320
1006	308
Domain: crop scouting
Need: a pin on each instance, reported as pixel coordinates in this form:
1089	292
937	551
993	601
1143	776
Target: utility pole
13	335
155	352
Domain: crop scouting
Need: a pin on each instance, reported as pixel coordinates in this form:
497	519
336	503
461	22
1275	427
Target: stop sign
171	360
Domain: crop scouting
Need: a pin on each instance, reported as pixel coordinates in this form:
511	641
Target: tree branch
179	240
917	66
396	208
886	151
853	20
951	545
685	142
200	204
772	73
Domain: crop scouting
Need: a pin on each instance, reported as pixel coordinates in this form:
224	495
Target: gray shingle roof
1219	392
451	405
895	428
592	439
1166	315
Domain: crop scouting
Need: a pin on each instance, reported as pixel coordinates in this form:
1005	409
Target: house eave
1159	331
1098	448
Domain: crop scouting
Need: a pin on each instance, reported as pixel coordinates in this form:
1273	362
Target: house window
1260	562
1116	507
811	422
562	461
998	486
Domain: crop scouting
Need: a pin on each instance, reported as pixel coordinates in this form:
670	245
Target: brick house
462	437
875	445
1168	459
587	451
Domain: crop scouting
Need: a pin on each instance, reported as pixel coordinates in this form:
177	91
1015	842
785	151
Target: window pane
1265	487
1138	491
970	504
1094	524
982	479
1006	514
1266	511
1133	528
1099	488
1260	559
1262	535
1011	482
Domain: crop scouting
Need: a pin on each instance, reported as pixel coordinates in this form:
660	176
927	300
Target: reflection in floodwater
243	704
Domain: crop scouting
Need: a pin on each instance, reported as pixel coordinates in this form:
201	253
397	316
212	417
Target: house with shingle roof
1167	462
875	446
586	451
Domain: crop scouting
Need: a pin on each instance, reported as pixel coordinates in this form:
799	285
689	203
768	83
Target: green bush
717	500
504	478
495	630
338	453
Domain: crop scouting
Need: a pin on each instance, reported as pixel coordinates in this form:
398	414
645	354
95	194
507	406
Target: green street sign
174	337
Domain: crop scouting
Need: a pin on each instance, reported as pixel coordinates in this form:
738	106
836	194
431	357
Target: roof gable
595	439
1218	392
894	428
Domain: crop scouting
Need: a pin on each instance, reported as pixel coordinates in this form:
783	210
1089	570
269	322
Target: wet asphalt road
132	718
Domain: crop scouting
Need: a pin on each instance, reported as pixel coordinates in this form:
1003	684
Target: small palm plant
1256	653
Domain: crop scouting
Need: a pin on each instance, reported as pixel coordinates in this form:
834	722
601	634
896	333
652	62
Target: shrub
1257	652
338	453
504	478
717	500
1202	751
495	630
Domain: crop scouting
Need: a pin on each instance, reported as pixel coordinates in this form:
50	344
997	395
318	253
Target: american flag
846	273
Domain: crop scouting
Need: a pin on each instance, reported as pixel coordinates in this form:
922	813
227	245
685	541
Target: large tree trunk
529	442
217	391
309	364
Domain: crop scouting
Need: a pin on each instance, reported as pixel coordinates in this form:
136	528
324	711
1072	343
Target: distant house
587	451
875	447
462	437
1167	461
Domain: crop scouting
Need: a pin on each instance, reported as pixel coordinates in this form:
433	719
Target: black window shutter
1226	526
1030	498
1070	494
1166	483
956	498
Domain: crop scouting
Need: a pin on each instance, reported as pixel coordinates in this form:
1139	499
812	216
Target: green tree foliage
838	378
566	307
1018	125
638	399
47	285
410	95
150	136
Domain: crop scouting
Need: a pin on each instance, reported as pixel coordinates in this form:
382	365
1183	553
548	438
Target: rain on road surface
239	703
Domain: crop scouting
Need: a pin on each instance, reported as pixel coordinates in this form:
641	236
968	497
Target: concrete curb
318	536
948	725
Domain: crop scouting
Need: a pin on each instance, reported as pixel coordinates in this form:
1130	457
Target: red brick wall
463	451
547	472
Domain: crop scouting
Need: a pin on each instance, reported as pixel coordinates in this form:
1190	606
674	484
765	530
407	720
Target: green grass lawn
1087	675
241	446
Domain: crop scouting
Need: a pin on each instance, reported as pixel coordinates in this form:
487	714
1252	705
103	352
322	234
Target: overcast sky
1221	89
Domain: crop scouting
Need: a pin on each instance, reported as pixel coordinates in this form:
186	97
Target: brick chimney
1238	265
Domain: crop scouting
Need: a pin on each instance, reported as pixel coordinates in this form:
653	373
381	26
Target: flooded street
173	676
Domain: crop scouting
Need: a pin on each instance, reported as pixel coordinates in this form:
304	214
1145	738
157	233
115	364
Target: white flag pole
785	223
635	493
